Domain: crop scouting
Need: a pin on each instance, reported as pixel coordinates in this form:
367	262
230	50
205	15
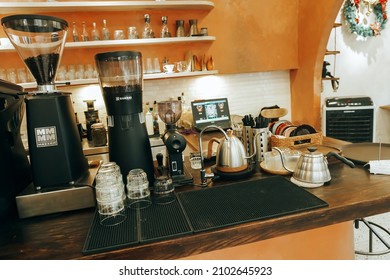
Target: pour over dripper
39	41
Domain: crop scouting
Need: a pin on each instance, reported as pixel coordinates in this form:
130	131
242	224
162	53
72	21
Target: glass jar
99	135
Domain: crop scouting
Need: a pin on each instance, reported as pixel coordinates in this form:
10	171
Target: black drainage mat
245	201
157	222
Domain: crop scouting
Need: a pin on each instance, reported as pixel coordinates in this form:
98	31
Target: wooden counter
353	193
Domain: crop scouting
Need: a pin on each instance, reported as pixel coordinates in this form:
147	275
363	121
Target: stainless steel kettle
231	155
312	167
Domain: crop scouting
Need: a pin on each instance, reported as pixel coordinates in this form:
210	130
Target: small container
132	32
204	31
163	190
180	28
195	161
194	27
99	135
119	34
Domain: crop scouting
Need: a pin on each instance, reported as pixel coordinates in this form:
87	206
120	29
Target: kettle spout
283	160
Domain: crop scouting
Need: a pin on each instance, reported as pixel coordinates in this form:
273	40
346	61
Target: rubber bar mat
237	203
157	222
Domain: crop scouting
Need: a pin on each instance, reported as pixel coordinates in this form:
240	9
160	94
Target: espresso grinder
170	113
55	150
121	81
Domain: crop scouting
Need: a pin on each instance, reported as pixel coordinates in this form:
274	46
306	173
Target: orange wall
251	36
254	35
315	24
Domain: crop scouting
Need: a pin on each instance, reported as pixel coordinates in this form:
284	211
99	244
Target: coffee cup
168	68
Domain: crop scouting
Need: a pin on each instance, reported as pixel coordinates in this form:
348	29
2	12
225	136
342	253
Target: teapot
231	154
312	167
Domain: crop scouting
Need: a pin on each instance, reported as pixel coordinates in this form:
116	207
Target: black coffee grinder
55	149
170	113
121	81
15	171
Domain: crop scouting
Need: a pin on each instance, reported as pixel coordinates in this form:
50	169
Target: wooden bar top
353	193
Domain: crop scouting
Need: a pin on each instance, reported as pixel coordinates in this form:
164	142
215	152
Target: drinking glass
163	190
195	161
110	195
138	193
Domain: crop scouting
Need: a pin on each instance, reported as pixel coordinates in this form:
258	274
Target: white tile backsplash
247	93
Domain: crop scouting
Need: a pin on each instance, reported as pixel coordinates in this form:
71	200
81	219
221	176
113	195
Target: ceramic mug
168	68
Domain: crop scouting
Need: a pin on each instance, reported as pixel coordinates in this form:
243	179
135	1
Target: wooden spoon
274	113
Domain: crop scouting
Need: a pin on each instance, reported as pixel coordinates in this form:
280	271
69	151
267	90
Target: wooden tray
306	140
271	171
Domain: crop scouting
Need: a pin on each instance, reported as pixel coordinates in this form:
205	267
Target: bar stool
373	231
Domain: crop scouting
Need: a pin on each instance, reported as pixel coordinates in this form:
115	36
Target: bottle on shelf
146	107
164	28
95	33
75	34
186	115
84	34
155	118
105	31
148	31
149	122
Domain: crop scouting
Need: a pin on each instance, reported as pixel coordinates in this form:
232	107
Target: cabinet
120	15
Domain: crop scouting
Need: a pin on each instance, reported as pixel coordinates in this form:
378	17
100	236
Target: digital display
210	111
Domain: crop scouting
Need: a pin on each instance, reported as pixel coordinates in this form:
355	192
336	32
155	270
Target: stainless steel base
31	202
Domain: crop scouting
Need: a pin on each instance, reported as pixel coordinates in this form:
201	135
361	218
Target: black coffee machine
15	172
54	145
170	113
121	81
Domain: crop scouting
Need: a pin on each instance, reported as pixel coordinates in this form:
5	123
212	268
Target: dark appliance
170	113
15	172
53	139
121	81
349	118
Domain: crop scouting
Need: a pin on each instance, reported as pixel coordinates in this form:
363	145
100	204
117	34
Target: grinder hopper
39	41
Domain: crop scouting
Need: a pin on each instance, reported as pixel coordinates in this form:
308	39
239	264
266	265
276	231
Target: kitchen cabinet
116	12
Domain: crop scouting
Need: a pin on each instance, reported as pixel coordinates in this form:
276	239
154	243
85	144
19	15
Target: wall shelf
146	77
103	6
128	42
332	52
331	79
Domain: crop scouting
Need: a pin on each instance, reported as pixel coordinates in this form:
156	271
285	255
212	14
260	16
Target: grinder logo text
46	136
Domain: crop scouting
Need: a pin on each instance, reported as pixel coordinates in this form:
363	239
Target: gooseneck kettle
231	155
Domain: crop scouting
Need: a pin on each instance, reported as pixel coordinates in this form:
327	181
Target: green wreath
350	12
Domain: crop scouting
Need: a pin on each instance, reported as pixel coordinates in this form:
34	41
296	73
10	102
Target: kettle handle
210	147
341	158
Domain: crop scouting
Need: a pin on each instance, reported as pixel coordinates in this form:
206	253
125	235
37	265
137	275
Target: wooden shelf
331	79
332	52
103	6
128	42
146	77
385	107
